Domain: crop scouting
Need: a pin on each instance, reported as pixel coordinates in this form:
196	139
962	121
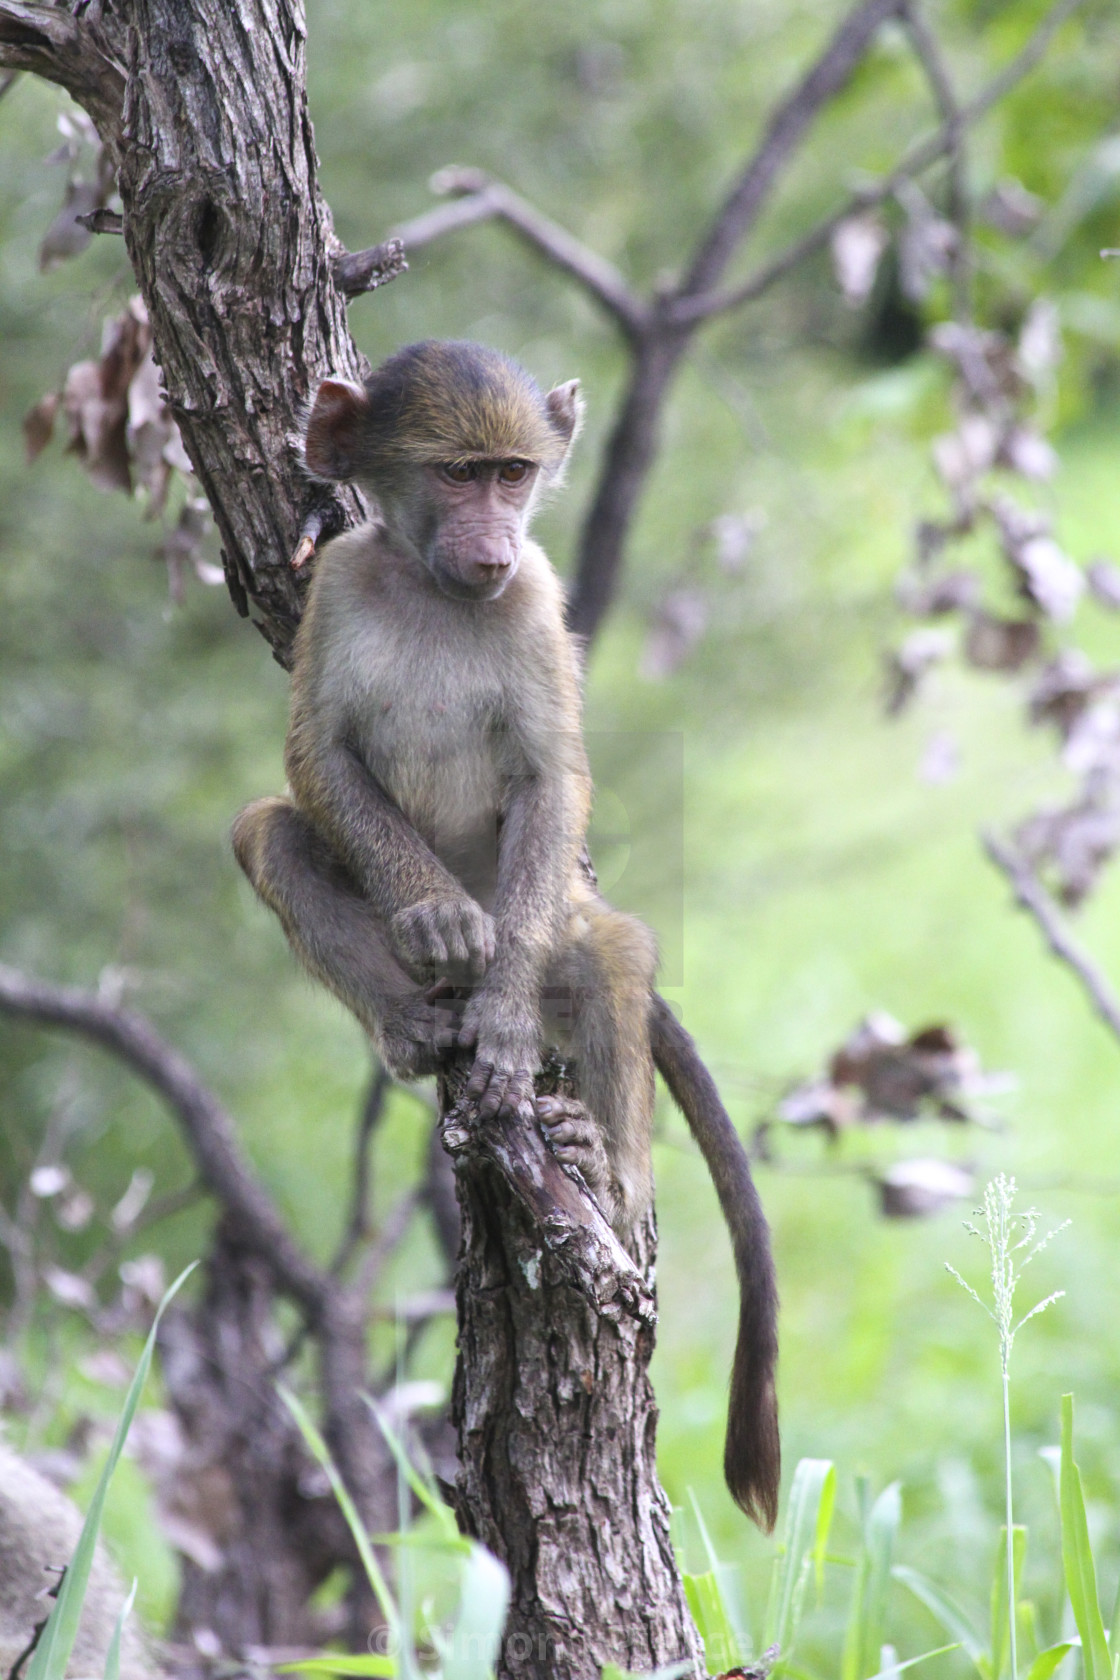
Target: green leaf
1077	1559
52	1654
729	1608
1047	1661
318	1449
947	1611
1000	1648
864	1635
811	1500
471	1653
113	1654
897	1667
709	1612
379	1668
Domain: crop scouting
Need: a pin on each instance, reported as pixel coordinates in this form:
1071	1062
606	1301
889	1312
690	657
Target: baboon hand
441	934
506	1059
416	1034
576	1140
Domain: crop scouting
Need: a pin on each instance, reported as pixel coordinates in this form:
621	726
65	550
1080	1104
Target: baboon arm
537	847
392	864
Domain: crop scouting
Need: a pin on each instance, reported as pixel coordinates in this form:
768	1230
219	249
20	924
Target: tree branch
927	50
357	1227
1032	896
783	135
356	272
387	1241
688	310
208	1128
69	51
570	1224
480	198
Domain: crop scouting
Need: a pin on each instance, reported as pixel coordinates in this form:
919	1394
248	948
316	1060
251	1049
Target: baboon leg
598	997
336	933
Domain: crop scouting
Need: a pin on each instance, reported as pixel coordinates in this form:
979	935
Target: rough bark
279	1534
232	245
556	1416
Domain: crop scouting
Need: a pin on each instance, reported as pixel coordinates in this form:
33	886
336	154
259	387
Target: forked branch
206	1125
71	52
478	197
1034	898
658	330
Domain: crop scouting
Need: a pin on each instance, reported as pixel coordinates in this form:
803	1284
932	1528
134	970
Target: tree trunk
556	1420
232	246
245	1486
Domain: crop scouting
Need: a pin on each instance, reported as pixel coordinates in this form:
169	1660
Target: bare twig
357	1226
102	221
384	1245
929	56
356	272
919	158
208	1128
487	198
783	135
1032	895
445	218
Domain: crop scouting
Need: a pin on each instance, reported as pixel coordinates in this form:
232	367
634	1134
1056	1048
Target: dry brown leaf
908	665
1001	644
1074	843
678	625
857	245
38	425
1011	209
1103	578
917	1188
932	597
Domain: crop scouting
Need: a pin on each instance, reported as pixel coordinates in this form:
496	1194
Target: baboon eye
514	472
458	472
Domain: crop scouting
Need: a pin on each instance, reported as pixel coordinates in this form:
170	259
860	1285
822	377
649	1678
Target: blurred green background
821	876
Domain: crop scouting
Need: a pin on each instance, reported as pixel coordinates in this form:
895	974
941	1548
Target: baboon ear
565	410
333	446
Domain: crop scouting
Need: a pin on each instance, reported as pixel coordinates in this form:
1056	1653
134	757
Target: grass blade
947	1611
377	1668
471	1653
1047	1661
864	1637
705	1599
810	1504
51	1655
1000	1649
728	1602
897	1667
318	1449
1077	1559
425	1494
113	1654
